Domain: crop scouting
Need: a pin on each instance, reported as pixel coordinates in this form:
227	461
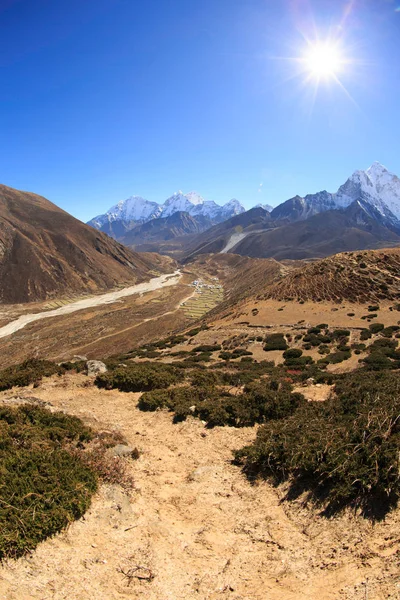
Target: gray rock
120	450
95	366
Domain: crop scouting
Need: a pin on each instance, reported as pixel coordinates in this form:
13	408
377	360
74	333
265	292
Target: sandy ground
309	314
197	524
141	288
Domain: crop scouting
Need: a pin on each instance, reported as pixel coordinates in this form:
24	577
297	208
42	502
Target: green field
202	302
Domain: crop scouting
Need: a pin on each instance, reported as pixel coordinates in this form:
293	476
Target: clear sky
103	99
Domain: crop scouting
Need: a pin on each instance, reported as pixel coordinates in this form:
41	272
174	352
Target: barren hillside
353	276
45	252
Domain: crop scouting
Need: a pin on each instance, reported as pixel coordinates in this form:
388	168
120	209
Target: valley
222	376
200	390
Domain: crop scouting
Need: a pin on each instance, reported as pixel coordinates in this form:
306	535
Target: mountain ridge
375	187
45	252
124	215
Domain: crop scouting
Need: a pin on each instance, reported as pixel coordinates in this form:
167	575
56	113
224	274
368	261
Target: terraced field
206	297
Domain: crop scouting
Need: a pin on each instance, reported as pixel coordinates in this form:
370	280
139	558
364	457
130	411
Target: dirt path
197	524
148	286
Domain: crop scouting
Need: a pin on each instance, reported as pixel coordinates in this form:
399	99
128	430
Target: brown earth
194	525
103	330
45	252
361	277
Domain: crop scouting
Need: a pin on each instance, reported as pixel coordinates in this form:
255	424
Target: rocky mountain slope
166	228
257	235
370	276
376	187
45	252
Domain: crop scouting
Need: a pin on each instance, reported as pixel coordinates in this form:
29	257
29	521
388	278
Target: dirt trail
197	524
148	286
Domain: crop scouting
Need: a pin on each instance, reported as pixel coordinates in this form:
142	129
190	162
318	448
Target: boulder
95	366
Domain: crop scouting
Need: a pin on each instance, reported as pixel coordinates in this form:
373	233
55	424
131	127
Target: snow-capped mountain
377	190
136	210
376	187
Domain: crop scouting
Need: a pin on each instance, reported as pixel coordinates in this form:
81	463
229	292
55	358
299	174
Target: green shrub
315	330
323	349
259	403
340	333
44	485
365	334
376	327
312	339
299	363
389	331
275	341
30	371
373	307
207	348
139	377
344	451
338	357
292	353
377	362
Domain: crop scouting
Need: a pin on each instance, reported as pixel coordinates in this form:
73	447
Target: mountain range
363	213
127	214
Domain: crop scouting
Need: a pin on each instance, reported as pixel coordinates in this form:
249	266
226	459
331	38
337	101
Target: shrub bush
365	334
30	371
376	327
275	341
338	357
43	486
340	333
292	353
207	348
343	451
259	403
139	377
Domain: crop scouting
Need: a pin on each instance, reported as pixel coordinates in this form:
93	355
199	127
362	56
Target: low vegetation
139	377
30	371
343	452
45	484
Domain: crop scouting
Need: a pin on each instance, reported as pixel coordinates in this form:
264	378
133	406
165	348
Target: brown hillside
45	252
367	276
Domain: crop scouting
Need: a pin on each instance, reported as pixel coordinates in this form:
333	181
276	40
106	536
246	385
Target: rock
77	358
95	366
120	450
202	472
192	408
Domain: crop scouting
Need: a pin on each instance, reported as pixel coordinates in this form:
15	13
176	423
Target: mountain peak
376	168
195	198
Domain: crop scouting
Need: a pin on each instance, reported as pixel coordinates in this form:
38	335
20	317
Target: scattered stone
95	366
122	450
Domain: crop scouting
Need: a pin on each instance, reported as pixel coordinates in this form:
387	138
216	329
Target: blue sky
103	99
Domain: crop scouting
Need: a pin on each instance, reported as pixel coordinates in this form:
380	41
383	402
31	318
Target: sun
323	60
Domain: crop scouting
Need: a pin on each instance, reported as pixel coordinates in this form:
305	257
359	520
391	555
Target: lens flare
323	60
